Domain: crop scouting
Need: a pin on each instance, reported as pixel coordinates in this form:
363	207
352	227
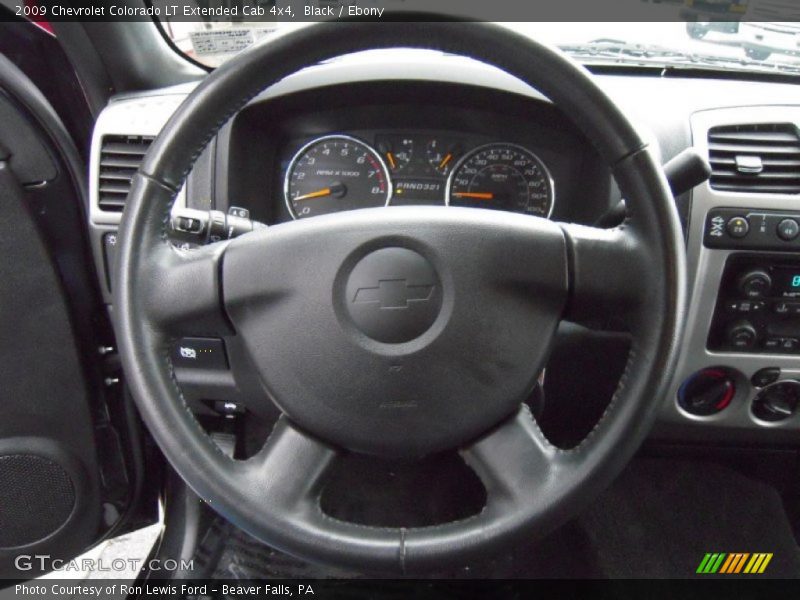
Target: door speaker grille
36	498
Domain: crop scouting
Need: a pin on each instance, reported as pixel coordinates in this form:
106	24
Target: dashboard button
763	377
755	283
777	402
788	229
782	344
745	306
200	353
742	335
109	255
782	308
737	227
708	392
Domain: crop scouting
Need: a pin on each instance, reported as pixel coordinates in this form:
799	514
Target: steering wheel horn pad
392	295
496	284
400	331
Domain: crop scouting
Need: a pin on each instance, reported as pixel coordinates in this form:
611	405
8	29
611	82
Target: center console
758	305
738	376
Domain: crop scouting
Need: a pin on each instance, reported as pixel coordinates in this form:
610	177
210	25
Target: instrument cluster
342	172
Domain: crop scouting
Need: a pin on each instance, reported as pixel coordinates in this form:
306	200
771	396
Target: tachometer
335	173
502	177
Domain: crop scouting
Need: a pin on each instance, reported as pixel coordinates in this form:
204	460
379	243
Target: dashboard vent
763	158
120	157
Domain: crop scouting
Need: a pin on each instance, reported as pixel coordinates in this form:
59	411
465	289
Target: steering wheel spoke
183	291
513	462
290	469
608	274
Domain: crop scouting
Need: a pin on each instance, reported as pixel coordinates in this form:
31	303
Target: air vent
120	157
755	158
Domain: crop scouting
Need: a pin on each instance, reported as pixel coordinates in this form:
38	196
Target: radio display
787	282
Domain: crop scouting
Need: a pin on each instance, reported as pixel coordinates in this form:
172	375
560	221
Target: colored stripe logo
734	563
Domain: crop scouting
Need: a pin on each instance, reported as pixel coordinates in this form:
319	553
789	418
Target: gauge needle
317	194
445	160
476	195
328	191
392	162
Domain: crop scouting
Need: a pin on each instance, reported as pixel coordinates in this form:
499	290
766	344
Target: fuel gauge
397	152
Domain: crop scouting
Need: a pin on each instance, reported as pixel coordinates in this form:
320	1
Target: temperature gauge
441	157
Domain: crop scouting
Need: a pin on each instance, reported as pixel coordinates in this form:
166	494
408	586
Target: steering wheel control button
777	402
737	227
764	377
788	229
707	392
200	353
393	295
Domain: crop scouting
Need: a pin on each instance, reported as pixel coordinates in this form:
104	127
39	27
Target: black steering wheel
449	371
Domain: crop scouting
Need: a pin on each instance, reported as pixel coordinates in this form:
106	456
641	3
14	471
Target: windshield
699	41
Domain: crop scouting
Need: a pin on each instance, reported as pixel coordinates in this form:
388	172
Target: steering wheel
448	371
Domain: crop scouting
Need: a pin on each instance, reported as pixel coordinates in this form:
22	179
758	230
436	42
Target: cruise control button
200	353
238	211
737	227
788	229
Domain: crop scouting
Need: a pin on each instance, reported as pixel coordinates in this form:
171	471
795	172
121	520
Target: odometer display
333	174
502	177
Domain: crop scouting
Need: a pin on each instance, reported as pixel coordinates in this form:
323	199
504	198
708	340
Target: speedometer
502	177
335	173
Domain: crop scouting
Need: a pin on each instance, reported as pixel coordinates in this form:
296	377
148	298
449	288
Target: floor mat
658	520
661	517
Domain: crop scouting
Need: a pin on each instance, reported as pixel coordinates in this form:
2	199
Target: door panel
65	465
48	467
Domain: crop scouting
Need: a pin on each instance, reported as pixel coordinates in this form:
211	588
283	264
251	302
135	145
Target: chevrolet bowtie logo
393	294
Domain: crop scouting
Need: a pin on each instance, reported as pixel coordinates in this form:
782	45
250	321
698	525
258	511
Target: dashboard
426	128
367	145
340	172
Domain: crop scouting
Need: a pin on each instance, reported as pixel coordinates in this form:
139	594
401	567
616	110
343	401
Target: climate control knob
755	283
777	402
707	392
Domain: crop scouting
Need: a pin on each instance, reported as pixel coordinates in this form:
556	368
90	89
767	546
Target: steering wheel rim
636	271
